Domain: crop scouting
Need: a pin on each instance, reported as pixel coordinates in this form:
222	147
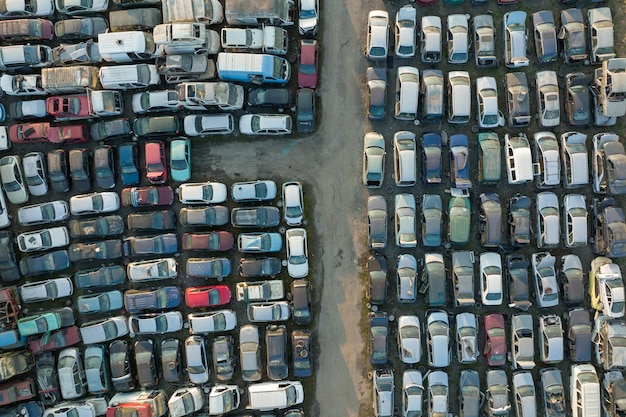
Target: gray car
250	353
432	213
305	110
484	41
258	217
579	340
548	220
470	397
553	393
223	359
106	249
373	160
577	99
376	97
109	129
204	216
377	222
276	345
572	34
497	396
573	278
104	167
518	101
490	216
517	273
545	36
377	274
12	177
155	245
463	278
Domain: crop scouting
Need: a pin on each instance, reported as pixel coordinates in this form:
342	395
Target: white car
197	359
373	159
522	341
155	323
515	38
601	35
53	211
406	236
35	173
409	339
250	352
548	220
548	98
83	409
212	321
297	253
154	269
550	339
13	180
598	164
489	115
438	391
406	21
22	9
438	338
458	38
430	39
383	391
524	394
491	278
519	162
575	220
271	311
265	124
546	149
46	290
406	277
546	284
95	203
54	237
293	203
575	159
251	191
202	192
153	101
412	393
377	35
103	330
75	7
308	17
467	337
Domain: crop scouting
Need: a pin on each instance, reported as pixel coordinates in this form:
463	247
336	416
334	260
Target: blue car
127	155
180	159
459	162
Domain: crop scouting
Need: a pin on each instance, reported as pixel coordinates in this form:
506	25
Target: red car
307	71
147	196
213	241
156	166
15	391
68	134
68	107
132	409
495	340
209	296
425	2
58	339
29	132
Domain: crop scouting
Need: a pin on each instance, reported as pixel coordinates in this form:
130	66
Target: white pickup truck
260	290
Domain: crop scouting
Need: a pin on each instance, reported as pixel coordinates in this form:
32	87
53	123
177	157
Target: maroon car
17	391
215	241
58	339
67	134
307	71
147	196
495	340
208	296
29	132
68	107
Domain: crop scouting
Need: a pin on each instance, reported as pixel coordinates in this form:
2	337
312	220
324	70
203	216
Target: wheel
305	222
282	230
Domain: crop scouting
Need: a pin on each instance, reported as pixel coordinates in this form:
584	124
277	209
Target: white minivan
125	77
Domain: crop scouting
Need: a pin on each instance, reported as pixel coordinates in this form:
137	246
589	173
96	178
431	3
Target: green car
180	159
45	322
459	226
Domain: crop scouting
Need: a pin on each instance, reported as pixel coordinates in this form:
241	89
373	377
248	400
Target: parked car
438	393
268	311
265	124
155	323
606	287
524	394
110	129
48	384
70	7
490	216
157	126
271	97
261	267
519	220
609	220
495	340
409	339
522	341
127	158
196	359
545	36
577	99
35	173
253	191
100	277
517	273
202	193
431	219
412	393
145	363
517	98
548	220
106	249
149	196
458	38
573	36
58	171
548	98
12	177
250	353
546	150
467	337
432	97
54	340
459	162
120	363
39	240
606	174
471	397
223	359
276	344
600	25
171	360
104	166
203	216
463	278
54	261
376	92
307	68
383	390
104	330
297	252
575	159
546	286
575	220
180	159
377	35
515	39
572	277
405	226
431	157
156	101
46	290
156	165
100	302
550	339
579	335
553	392
208	267
484	41
489	114
154	269
71	374
430	39
305	110
207	296
377	222
96	370
491	278
155	299
300	305
406	21
379	334
211	241
302	343
95	203
163	244
259	242
97	227
9	270
459	211
438	338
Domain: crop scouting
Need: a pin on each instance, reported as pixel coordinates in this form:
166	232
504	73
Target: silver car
373	160
522	341
467	337
35	173
575	220
377	222
377	35
548	220
405	221
12	178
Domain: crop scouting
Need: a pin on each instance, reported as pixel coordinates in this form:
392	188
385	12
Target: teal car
45	322
180	159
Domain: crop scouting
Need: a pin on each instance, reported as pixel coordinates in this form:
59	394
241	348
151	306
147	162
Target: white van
124	77
122	47
265	396
407	93
185	38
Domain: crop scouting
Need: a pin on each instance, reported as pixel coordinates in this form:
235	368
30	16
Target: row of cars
575	41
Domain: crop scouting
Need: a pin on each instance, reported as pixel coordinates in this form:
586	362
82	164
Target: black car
204	216
301	347
259	267
109	129
104	276
57	171
379	338
156	126
104	168
377	273
274	97
119	360
152	220
259	217
47	379
517	273
98	227
79	169
145	363
43	264
301	301
156	245
171	362
106	249
305	110
577	99
276	344
9	271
